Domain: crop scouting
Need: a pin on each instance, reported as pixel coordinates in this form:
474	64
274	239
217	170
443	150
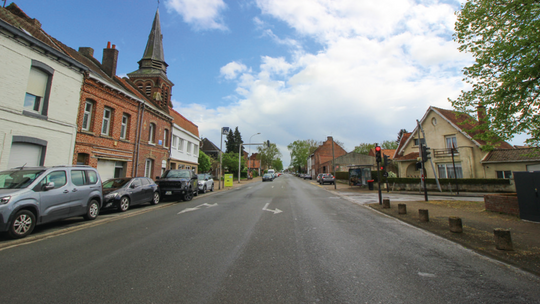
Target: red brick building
322	157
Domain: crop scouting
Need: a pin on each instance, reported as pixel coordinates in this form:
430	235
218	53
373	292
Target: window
106	124
78	178
189	144
58	178
165	138
175	142
124	128
87	116
451	142
447	170
36	100
180	144
416	141
195	150
152	133
504	174
83	159
119	169
148	167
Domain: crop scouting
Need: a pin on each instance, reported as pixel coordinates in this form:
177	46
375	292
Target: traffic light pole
421	150
378	160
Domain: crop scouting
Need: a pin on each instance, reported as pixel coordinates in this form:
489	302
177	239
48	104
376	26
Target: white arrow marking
188	210
208	205
275	211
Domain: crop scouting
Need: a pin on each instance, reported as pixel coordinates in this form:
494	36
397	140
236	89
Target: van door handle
74	190
66	191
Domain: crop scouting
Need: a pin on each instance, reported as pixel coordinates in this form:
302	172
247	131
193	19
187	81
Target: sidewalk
478	226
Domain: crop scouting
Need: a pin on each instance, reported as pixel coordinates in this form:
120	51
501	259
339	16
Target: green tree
389	144
230	143
363	148
277	164
205	162
300	150
503	37
230	163
268	154
238	139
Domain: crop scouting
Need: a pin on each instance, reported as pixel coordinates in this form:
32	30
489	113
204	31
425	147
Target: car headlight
200	184
4	200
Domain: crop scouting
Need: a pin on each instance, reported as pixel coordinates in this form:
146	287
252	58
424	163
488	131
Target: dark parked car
327	178
268	177
178	183
206	182
121	193
307	176
31	196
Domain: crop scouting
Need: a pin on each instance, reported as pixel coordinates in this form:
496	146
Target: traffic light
426	154
418	165
268	144
385	162
378	154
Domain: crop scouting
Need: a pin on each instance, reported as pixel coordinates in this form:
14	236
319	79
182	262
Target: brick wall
156	152
504	203
323	154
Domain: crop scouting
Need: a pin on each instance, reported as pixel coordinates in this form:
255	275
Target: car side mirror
132	186
157	177
49	186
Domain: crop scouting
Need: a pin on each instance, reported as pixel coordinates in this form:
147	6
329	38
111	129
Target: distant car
122	193
206	182
267	177
307	176
327	178
319	177
180	183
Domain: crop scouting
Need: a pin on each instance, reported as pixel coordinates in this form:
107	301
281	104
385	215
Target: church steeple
151	77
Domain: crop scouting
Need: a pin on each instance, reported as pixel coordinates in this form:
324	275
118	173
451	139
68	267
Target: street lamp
224	131
249	152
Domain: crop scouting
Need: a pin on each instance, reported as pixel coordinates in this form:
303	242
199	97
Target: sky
357	70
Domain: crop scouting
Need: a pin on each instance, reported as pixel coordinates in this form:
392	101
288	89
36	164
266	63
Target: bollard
456	225
386	203
424	215
402	209
503	239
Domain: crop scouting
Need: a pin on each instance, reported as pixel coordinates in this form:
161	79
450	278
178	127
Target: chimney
481	113
86	51
110	59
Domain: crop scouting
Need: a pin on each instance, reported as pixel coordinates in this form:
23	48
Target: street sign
228	180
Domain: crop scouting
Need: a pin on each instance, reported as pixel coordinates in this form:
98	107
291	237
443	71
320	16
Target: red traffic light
378	148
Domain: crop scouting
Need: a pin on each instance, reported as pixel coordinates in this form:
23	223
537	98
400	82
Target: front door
54	203
527	188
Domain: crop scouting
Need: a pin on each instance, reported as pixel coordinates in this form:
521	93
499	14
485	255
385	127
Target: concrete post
402	209
424	215
386	203
503	239
455	223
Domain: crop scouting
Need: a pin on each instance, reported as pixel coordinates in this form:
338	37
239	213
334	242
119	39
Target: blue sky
357	70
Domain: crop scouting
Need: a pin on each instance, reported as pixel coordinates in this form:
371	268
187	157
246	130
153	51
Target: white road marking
197	208
275	211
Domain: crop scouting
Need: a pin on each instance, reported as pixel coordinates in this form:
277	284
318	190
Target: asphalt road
286	241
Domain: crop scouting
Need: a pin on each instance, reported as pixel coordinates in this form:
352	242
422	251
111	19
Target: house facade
321	160
40	87
185	143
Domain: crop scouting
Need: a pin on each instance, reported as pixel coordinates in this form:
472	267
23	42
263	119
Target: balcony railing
445	152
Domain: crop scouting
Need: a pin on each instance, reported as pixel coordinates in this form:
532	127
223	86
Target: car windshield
267	175
115	183
18	179
177	174
201	176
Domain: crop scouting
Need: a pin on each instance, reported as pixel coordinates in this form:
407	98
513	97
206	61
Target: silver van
31	196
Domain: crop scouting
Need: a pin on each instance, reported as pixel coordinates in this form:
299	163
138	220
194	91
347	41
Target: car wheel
212	189
155	200
204	189
93	210
124	204
23	224
196	192
188	195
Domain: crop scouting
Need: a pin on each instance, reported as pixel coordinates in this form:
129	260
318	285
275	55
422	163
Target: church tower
151	77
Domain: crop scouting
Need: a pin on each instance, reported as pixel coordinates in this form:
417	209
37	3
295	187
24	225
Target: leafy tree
503	37
268	154
238	139
277	164
300	151
230	143
230	163
205	162
363	148
389	144
400	135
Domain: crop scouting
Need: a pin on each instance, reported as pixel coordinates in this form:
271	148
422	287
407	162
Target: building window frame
446	170
181	144
450	141
166	138
124	130
33	94
506	174
87	115
152	133
106	121
148	167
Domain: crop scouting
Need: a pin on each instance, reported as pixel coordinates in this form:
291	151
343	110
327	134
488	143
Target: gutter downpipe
138	143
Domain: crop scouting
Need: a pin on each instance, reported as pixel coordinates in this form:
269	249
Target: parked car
181	183
206	182
122	193
267	177
319	177
307	176
327	178
31	196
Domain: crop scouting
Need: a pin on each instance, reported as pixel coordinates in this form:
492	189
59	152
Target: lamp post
249	152
224	131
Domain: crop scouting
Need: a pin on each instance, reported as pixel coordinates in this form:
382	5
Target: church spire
154	46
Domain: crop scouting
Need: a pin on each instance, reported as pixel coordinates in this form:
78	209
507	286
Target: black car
178	183
121	193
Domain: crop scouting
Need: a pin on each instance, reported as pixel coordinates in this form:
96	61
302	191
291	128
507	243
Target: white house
185	143
40	88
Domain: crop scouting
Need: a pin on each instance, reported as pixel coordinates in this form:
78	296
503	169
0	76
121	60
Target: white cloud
232	69
202	14
382	64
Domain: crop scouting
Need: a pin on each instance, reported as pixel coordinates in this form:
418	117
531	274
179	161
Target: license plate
168	192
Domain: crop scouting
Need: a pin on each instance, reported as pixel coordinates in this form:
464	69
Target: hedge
410	180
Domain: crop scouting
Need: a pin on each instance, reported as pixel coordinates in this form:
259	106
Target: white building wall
182	154
59	129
